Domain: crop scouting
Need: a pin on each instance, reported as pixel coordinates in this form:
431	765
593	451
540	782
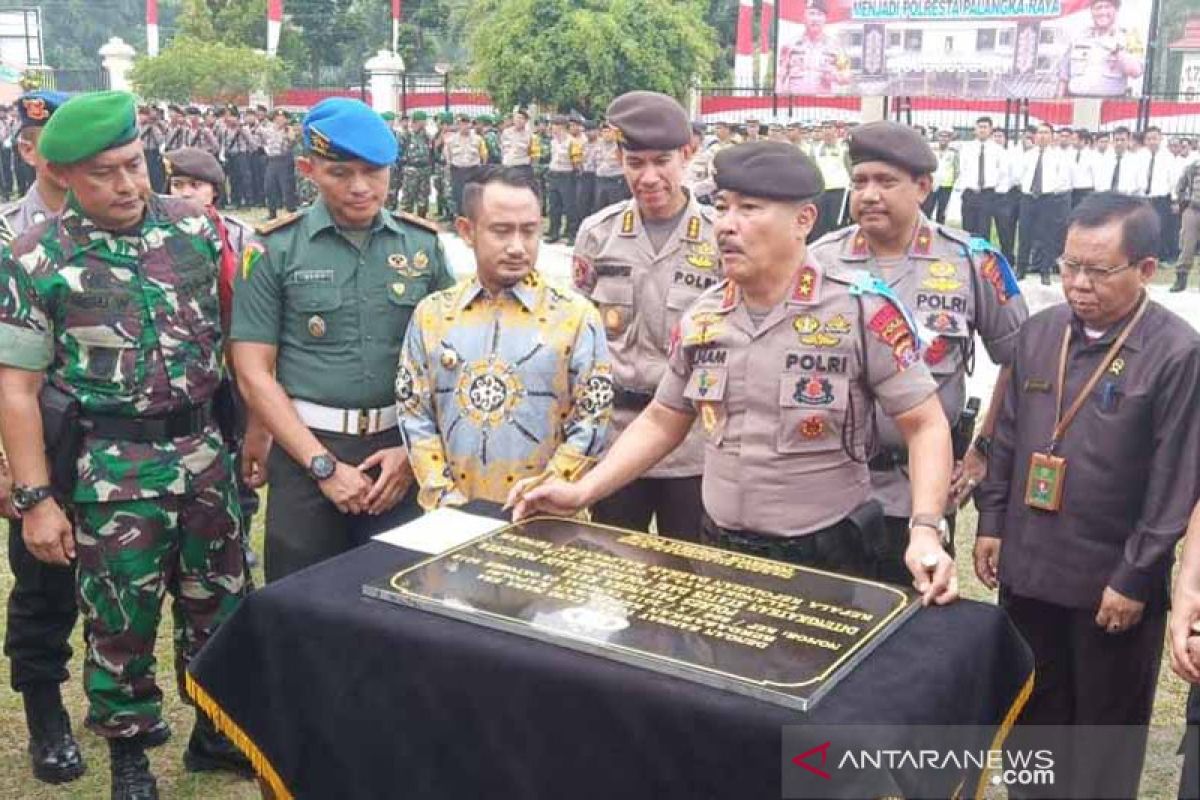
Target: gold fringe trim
1014	711
225	724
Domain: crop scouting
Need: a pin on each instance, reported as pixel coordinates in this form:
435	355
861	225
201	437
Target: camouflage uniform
129	325
418	171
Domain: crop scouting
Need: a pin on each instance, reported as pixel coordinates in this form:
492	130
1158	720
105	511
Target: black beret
649	121
892	143
192	162
774	170
817	5
174	108
193	111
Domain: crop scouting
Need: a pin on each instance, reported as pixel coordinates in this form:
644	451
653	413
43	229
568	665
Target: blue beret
35	108
342	129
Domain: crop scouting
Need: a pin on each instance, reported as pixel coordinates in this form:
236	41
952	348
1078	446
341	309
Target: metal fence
76	80
433	92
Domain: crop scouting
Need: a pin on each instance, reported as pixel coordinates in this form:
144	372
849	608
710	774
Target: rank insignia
812	390
999	274
923	241
398	262
420	261
693	229
729	297
839	324
397	289
449	358
35	109
812	427
820	340
806	324
890	326
627	223
703	256
858	247
808	283
707	329
941	322
708	417
316	326
319	143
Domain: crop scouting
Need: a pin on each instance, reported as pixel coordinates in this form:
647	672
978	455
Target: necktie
1116	181
981	168
1150	173
1035	187
1078	155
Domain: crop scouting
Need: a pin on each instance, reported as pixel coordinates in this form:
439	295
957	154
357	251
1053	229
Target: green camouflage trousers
441	184
416	190
130	554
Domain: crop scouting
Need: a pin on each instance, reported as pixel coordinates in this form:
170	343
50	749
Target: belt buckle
364	422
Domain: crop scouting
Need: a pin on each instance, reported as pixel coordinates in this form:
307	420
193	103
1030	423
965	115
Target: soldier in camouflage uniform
441	169
126	325
418	167
393	195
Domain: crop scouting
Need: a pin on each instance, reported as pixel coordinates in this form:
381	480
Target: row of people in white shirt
1071	160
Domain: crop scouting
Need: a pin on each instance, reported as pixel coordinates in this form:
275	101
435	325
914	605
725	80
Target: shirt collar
857	248
1137	336
525	291
319	219
86	234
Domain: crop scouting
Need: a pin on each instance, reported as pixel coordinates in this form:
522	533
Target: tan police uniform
954	291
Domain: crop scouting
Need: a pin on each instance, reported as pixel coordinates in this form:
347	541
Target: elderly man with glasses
1092	476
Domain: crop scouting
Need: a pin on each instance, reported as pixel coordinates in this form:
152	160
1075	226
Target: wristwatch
26	497
322	467
983	444
937	523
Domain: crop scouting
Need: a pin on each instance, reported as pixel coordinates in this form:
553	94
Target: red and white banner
274	24
743	48
152	27
395	25
967	48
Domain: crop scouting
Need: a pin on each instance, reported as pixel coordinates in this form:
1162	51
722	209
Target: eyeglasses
1094	274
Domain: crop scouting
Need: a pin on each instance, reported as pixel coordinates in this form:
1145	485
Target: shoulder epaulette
955	235
835	236
420	222
279	223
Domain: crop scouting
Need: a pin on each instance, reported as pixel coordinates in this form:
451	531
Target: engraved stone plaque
771	630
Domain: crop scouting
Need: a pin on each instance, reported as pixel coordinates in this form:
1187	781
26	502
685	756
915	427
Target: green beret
89	124
892	143
388	116
773	170
192	162
649	121
419	116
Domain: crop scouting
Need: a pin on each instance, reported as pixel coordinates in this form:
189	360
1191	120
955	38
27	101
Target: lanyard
1061	423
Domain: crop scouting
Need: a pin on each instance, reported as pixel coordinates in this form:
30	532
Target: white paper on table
440	530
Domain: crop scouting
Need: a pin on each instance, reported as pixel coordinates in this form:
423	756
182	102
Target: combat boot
209	750
1181	281
53	751
131	776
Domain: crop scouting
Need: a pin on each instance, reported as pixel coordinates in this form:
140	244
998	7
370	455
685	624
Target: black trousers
829	213
281	184
677	504
978	211
1189	781
41	615
1168	221
25	174
459	178
1043	230
7	179
154	168
610	189
585	199
258	178
303	526
1007	210
935	204
1087	676
560	200
1077	196
240	179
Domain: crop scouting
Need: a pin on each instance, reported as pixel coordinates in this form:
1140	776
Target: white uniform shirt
968	165
1056	170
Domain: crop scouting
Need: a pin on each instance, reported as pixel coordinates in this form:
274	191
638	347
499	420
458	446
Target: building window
912	41
856	39
985	40
1046	36
1006	38
894	39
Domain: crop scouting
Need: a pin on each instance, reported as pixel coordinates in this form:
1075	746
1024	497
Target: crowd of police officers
775	391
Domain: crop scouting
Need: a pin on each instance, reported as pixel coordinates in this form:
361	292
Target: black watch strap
26	497
984	445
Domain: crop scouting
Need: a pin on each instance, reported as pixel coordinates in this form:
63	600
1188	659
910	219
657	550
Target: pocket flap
812	390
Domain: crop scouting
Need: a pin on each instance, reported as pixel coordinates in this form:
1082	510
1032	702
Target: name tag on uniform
313	276
1035	385
1044	488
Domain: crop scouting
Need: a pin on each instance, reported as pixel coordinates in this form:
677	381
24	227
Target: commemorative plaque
771	630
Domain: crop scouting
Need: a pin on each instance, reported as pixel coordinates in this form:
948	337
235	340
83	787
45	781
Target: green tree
74	30
1172	15
574	55
215	72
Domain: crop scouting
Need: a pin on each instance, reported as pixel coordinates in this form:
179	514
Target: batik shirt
494	389
129	325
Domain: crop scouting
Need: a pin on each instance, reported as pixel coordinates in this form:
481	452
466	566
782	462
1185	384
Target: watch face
322	467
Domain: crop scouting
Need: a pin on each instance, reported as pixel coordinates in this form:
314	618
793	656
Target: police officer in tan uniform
465	151
643	261
956	287
781	363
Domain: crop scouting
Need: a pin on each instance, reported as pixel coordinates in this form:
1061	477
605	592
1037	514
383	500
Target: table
333	694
